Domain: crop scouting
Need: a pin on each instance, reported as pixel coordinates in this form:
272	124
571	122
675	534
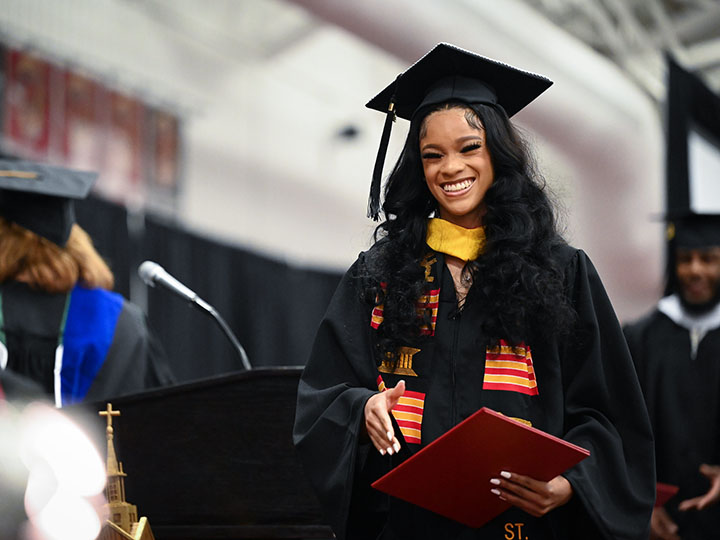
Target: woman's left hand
533	496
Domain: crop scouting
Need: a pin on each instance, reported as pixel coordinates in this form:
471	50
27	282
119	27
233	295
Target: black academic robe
109	350
14	387
586	393
683	400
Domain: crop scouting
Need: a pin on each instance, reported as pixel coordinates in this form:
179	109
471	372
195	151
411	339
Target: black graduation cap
449	73
41	197
693	160
695	231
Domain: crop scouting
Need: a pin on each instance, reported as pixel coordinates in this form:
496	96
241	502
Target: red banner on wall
82	133
166	150
121	176
26	105
54	114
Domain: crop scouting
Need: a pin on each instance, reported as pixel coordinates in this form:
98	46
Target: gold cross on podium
109	413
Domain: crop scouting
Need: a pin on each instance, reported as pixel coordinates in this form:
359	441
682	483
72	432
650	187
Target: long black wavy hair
516	283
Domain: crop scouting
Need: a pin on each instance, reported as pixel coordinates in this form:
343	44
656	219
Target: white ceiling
635	33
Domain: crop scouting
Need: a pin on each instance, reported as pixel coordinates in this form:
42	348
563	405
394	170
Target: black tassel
374	200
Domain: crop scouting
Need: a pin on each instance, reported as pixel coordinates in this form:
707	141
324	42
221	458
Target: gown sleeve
339	377
135	361
634	335
605	413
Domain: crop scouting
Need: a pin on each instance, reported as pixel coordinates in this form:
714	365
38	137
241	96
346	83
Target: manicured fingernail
505	474
390	436
382	452
495	492
495	481
396	446
502	498
390	451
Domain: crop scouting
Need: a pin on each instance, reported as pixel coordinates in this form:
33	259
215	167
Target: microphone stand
152	273
207	308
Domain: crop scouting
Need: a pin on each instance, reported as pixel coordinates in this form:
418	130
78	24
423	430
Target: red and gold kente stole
426	303
510	368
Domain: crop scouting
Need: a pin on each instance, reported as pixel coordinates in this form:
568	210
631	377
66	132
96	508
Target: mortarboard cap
449	73
41	197
695	231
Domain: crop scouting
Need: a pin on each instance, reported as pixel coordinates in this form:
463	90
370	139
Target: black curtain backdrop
272	307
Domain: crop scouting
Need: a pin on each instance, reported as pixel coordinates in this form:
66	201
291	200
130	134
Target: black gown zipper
455	318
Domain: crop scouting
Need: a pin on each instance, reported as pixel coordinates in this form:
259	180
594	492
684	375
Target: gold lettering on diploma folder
513	531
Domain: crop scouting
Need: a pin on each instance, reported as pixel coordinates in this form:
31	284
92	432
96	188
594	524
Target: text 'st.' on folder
451	476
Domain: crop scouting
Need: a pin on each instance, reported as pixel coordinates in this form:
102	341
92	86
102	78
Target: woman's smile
459	187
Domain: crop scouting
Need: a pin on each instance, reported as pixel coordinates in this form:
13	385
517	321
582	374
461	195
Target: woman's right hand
662	527
377	419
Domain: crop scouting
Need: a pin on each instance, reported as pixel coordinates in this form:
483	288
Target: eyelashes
471	147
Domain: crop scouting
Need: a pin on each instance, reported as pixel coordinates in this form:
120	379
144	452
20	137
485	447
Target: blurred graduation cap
41	197
449	73
693	160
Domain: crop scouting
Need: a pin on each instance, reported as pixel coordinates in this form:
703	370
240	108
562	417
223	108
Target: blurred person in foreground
470	298
59	323
51	474
676	349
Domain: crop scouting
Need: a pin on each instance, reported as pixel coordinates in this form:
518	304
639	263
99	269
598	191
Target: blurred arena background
234	146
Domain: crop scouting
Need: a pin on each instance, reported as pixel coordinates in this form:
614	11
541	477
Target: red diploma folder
451	475
664	492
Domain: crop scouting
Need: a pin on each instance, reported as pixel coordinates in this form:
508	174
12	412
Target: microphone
154	274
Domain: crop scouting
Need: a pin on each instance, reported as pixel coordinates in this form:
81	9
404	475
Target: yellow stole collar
451	239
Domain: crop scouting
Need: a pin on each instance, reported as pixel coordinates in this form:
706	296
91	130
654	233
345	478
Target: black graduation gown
588	394
133	361
15	387
683	400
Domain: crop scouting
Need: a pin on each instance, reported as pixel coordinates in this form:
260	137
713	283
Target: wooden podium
214	459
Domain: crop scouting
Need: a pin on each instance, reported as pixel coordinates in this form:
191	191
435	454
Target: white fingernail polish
495	481
382	452
396	446
495	492
505	474
390	451
390	436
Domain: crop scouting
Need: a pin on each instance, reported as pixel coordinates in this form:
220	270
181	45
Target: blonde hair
27	257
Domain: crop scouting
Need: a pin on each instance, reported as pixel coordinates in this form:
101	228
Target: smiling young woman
470	298
458	171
